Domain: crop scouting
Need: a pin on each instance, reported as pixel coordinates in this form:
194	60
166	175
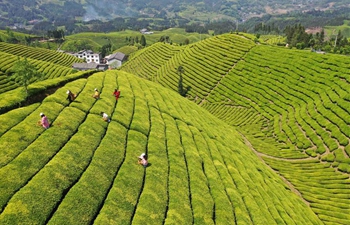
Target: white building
88	55
115	60
145	31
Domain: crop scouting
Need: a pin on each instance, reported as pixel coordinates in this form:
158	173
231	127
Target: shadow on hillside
187	89
183	92
38	95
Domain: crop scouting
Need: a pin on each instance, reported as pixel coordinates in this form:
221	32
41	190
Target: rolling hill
84	170
94	41
291	106
30	12
262	137
50	63
55	68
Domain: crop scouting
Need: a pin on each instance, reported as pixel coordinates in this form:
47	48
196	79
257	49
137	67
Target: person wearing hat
70	96
44	121
143	160
105	117
96	95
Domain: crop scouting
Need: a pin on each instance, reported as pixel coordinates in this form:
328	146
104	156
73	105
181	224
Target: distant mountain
23	12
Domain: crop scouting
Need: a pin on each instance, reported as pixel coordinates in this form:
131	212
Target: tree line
297	37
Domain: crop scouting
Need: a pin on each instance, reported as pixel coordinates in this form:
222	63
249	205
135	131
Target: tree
164	39
187	41
131	41
106	49
25	73
143	41
337	38
321	37
180	70
182	91
11	37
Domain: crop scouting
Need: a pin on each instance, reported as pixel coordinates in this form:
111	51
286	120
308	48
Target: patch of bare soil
269	10
40	96
313	30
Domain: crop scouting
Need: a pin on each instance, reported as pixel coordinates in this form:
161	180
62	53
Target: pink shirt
45	122
144	162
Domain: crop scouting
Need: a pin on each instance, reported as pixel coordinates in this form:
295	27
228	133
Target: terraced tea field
84	170
50	63
262	138
291	107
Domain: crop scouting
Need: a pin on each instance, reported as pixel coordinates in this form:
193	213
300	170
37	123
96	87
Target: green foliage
96	40
290	104
11	119
24	73
41	54
89	173
16	97
127	50
180	70
143	41
202	170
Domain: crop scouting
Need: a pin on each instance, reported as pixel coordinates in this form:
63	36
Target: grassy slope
332	31
222	82
83	170
292	106
118	39
56	68
143	60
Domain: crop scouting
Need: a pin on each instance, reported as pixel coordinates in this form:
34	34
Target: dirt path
222	77
290	185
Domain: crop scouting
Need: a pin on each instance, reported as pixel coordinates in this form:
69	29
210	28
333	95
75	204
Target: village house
88	55
145	31
115	60
89	66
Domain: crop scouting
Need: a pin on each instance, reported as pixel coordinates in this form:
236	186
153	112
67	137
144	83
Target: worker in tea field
44	121
96	95
105	117
143	160
71	96
116	94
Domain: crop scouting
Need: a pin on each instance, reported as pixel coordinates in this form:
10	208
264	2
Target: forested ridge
107	15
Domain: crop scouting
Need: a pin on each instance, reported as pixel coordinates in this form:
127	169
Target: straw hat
142	155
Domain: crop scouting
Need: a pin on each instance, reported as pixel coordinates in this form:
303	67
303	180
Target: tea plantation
83	170
291	107
49	63
262	137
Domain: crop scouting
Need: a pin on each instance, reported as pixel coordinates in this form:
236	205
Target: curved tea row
48	69
146	62
84	170
41	54
292	107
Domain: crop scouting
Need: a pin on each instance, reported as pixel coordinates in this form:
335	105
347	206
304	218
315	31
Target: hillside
84	170
55	69
94	41
27	13
291	106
